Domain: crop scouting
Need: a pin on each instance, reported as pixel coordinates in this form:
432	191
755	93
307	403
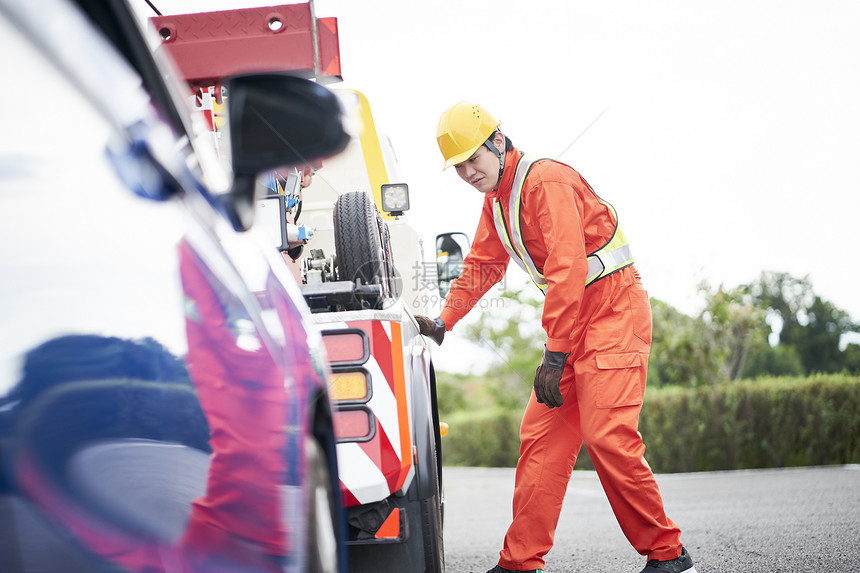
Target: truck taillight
353	425
349	386
346	346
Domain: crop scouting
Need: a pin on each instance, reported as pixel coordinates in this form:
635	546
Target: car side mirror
451	249
276	120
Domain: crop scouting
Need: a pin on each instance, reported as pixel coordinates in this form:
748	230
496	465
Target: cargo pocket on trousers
620	380
641	313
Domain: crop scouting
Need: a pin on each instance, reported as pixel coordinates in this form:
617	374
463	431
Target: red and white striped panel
373	470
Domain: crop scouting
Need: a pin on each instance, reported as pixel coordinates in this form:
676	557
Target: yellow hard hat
463	128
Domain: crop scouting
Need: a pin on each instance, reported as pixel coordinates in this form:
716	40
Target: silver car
163	402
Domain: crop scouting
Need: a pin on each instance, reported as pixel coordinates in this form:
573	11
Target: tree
727	340
678	352
713	346
814	327
852	359
786	298
514	332
779	360
686	351
817	342
734	327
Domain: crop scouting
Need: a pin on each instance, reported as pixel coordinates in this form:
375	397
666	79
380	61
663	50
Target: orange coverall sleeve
483	266
552	200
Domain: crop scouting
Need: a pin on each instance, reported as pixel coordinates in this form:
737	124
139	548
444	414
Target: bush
762	423
489	438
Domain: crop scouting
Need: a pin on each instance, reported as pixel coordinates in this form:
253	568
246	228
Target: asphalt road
752	521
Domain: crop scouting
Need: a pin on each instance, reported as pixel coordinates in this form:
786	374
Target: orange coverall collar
512	156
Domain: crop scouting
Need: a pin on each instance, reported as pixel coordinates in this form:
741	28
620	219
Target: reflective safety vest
612	256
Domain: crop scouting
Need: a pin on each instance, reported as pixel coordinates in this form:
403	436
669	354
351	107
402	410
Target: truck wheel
358	241
322	556
431	527
421	552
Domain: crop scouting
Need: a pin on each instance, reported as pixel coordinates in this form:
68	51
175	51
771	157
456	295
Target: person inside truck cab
291	183
589	386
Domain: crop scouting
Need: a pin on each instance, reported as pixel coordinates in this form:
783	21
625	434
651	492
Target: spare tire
358	241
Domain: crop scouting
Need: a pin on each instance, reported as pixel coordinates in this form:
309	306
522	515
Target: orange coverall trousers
603	385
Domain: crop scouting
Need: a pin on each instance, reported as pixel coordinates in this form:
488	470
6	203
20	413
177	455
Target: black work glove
435	328
548	377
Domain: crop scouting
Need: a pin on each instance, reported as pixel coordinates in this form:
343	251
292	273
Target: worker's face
481	170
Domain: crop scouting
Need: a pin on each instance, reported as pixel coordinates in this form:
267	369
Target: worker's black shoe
500	569
677	565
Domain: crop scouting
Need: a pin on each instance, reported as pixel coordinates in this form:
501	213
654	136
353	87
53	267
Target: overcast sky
729	140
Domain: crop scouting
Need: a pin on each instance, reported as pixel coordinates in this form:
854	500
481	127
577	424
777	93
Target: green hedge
761	423
775	422
488	438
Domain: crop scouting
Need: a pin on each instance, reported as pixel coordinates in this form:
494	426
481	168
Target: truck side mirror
451	248
276	120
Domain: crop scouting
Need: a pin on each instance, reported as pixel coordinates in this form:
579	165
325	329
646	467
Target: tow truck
359	246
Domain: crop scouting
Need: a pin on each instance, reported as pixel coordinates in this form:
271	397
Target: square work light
395	198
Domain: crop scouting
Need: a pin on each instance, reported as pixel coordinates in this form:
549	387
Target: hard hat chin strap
491	146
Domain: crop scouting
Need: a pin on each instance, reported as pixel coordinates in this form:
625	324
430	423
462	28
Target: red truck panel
209	46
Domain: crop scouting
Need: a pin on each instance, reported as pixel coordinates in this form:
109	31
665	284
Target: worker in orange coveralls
589	386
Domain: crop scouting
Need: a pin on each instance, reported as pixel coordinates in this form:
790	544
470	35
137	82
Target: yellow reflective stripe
524	165
502	232
611	257
605	263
